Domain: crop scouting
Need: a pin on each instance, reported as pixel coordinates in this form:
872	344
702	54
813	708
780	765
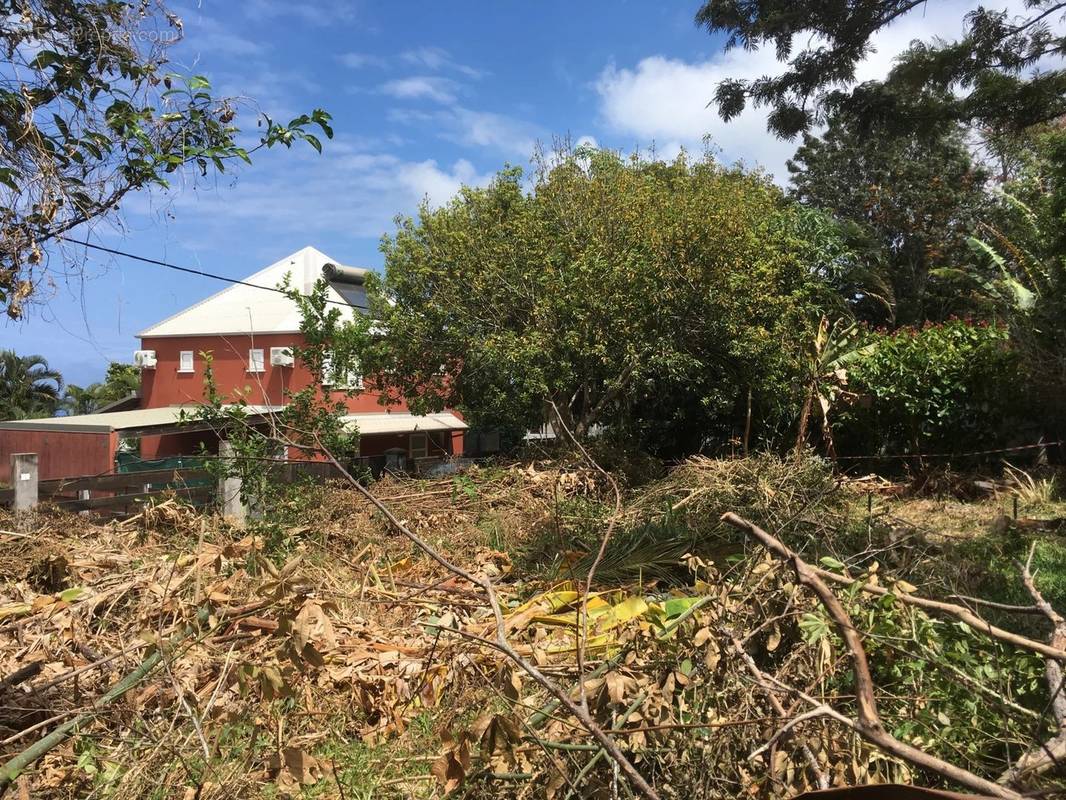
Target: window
338	378
185	361
255	360
419	445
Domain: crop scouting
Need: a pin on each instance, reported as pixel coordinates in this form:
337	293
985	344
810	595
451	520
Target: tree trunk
804	421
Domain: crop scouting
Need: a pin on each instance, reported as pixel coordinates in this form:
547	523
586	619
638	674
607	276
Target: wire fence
964	454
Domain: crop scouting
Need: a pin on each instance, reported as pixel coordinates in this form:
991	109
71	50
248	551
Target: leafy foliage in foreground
89	114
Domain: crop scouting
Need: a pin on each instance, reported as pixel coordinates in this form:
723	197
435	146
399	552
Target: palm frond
652	551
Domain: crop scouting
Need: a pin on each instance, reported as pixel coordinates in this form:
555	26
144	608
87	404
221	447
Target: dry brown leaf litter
353	637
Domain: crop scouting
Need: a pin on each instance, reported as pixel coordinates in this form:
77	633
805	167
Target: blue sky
425	96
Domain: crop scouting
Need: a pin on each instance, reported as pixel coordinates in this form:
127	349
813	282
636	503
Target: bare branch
781	711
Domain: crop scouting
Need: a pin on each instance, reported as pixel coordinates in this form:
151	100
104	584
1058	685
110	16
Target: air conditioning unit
144	359
281	357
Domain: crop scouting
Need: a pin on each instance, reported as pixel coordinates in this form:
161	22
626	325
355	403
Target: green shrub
944	387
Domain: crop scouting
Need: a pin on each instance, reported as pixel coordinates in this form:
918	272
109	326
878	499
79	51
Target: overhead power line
191	271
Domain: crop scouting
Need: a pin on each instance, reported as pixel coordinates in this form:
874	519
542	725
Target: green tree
82	399
28	386
89	113
642	297
988	76
917	197
121	381
1025	250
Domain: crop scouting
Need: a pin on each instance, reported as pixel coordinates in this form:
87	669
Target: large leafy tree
28	386
916	198
646	298
90	113
990	76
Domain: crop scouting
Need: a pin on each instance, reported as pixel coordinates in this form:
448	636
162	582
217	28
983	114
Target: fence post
229	490
24	479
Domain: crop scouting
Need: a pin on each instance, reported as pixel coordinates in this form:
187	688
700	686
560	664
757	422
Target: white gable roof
248	308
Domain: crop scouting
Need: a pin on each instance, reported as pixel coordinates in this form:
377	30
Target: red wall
69	454
60	454
165	386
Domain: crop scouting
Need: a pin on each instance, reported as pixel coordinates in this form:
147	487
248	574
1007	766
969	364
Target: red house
250	331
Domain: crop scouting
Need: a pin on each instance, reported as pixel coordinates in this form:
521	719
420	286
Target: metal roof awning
386	422
149	421
127	424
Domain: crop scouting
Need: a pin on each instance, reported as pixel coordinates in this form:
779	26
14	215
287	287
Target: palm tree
83	400
28	386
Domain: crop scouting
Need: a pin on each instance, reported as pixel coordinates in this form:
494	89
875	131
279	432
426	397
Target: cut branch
1051	753
1057	652
868	723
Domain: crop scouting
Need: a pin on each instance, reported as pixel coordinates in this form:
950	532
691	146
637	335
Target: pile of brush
178	656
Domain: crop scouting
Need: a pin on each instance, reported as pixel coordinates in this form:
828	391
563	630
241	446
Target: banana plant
832	350
1024	275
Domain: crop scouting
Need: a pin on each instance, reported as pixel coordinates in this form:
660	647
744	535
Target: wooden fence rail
116	492
126	492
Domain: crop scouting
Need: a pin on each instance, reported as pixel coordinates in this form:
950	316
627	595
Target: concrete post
24	479
229	491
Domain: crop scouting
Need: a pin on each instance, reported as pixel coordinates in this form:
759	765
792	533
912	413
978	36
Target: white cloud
497	131
206	36
354	189
665	100
426	179
354	60
473	128
430	87
309	13
436	59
